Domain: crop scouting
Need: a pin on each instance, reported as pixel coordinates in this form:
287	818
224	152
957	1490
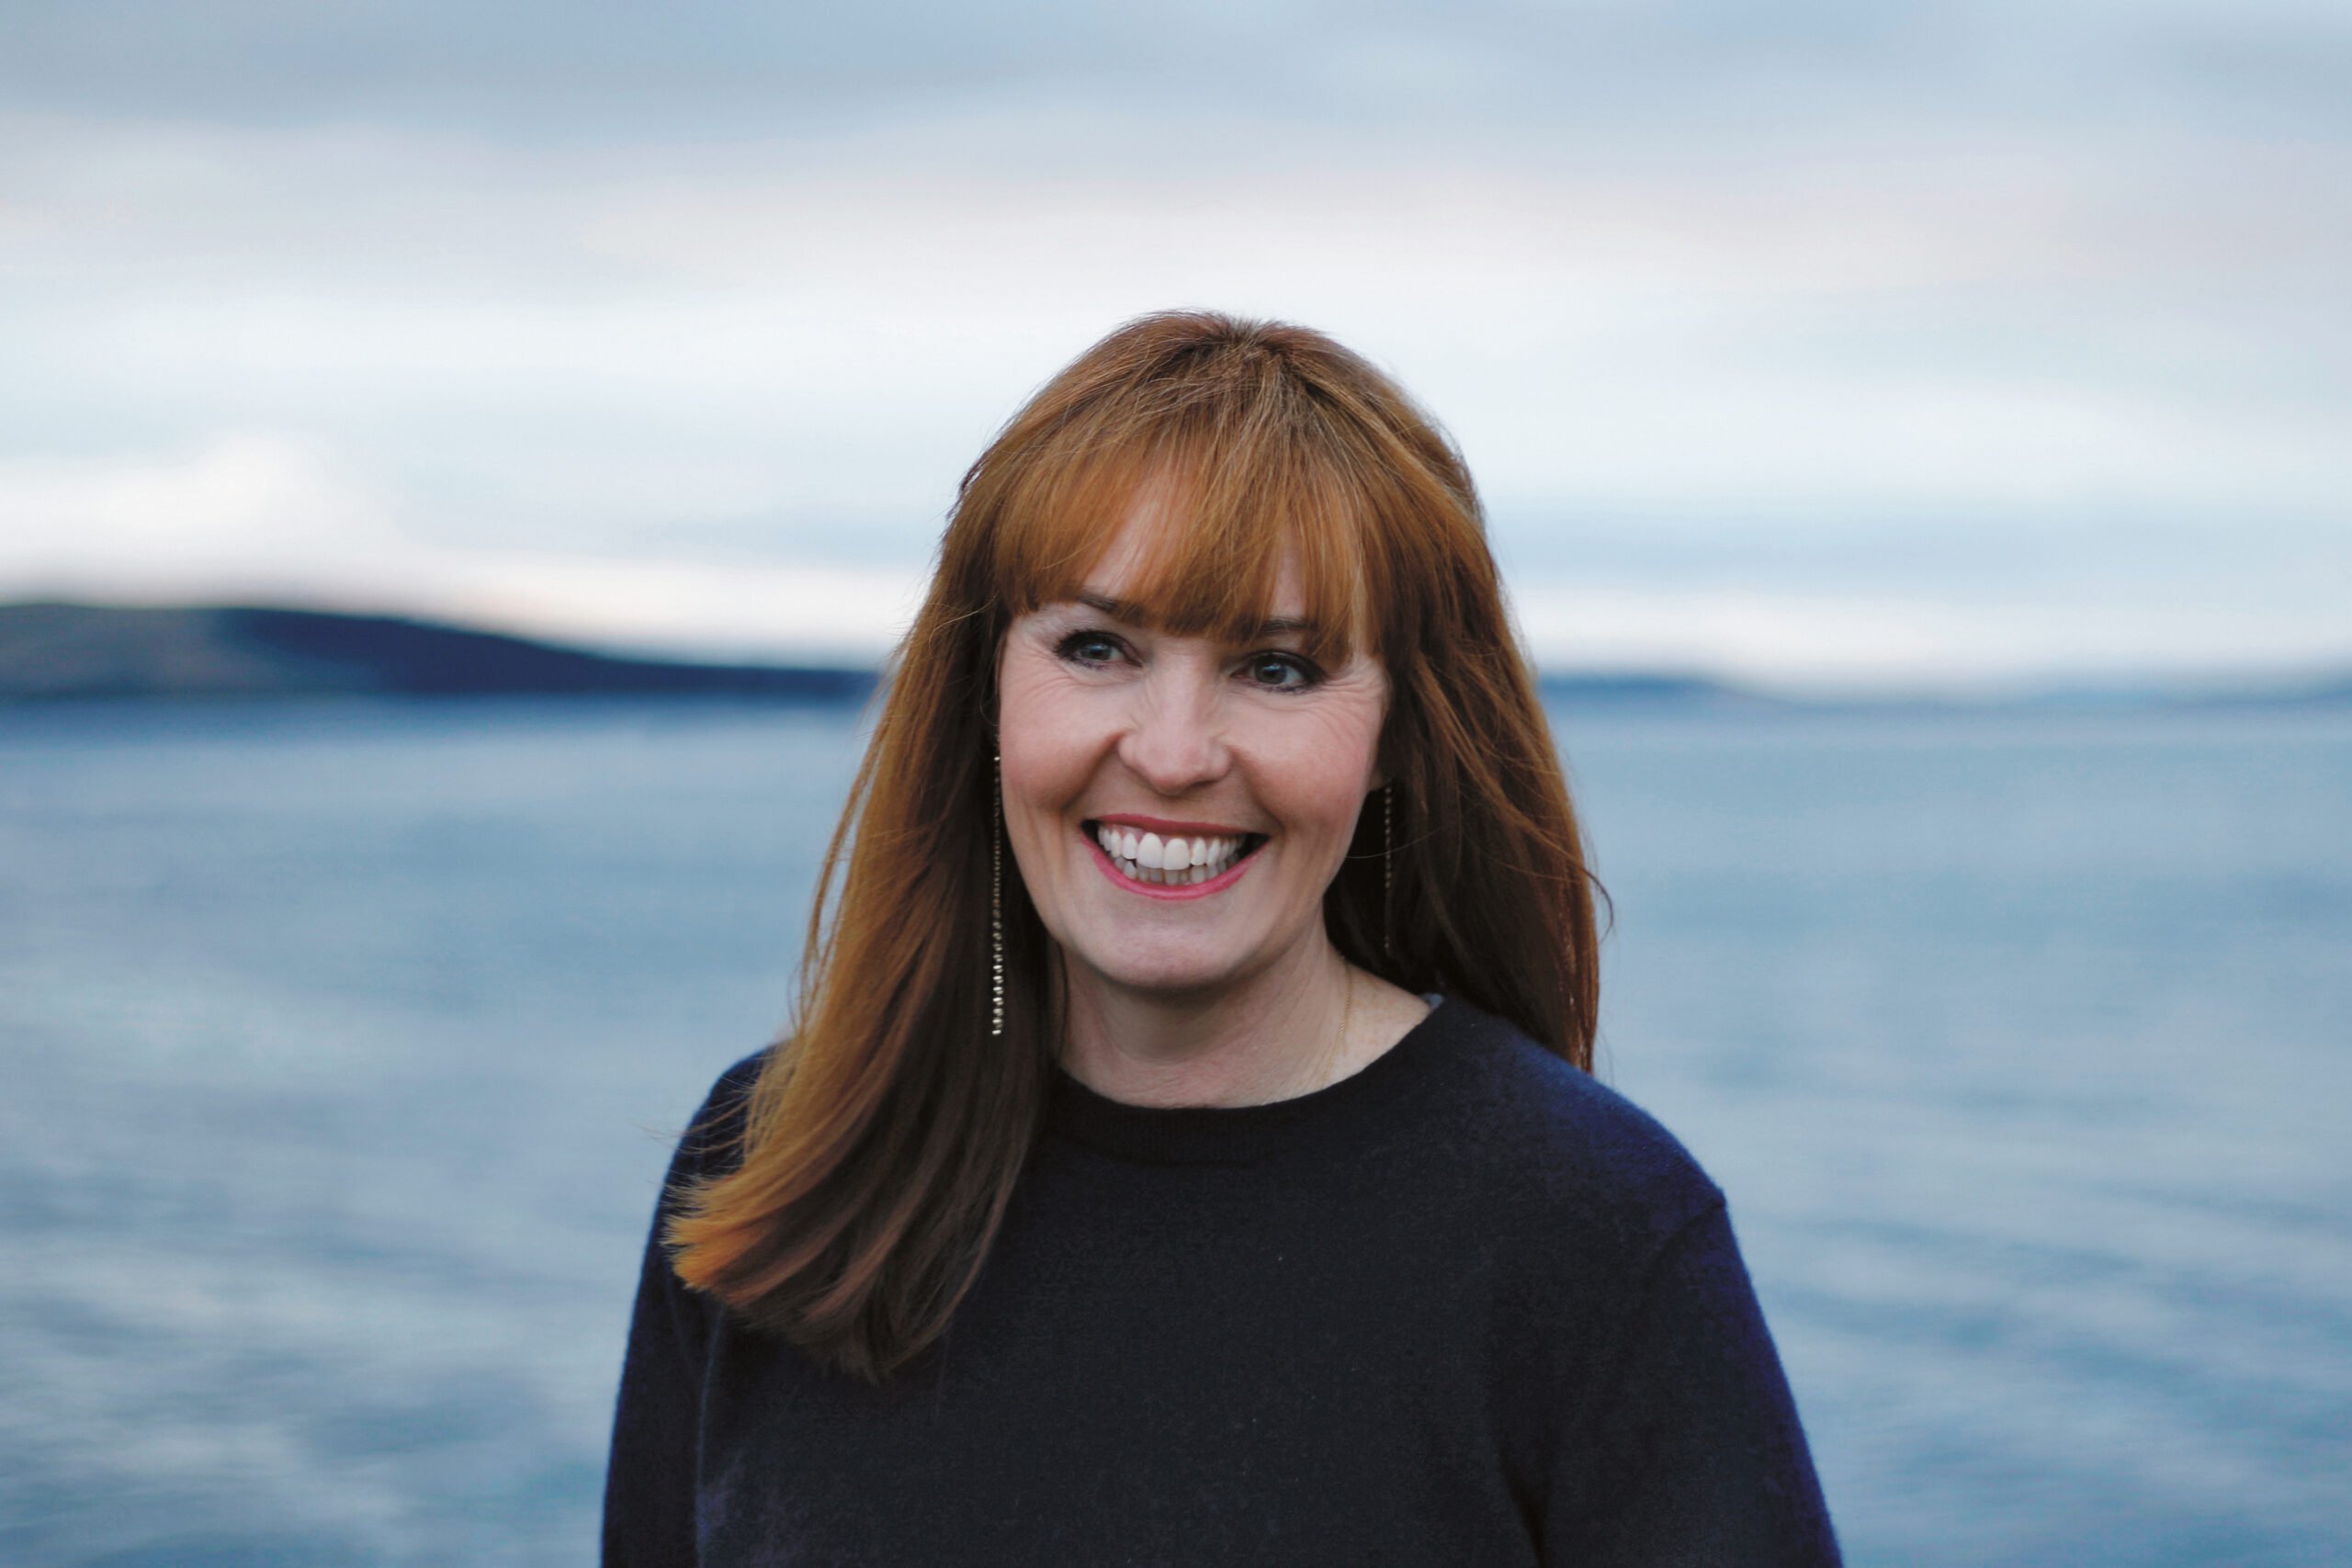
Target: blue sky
1827	344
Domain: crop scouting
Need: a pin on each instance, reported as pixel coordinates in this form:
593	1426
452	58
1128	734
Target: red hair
886	1130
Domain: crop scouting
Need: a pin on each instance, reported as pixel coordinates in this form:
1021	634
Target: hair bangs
1226	496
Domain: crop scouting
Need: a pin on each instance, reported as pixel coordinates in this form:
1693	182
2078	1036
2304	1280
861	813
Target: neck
1286	1030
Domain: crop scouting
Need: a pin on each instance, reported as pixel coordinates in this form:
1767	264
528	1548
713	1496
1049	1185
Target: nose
1174	738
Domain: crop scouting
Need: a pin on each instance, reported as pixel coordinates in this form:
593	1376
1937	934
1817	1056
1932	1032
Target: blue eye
1088	647
1283	671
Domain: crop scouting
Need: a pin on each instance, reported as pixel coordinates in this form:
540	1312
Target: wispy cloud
593	327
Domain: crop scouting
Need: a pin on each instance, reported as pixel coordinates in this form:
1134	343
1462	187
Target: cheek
1318	774
1039	739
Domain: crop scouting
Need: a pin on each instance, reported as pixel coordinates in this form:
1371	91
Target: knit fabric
1467	1306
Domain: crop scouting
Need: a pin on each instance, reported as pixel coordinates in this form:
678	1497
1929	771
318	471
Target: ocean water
341	1042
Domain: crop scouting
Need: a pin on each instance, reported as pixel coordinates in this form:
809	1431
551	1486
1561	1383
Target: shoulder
730	1094
712	1143
1558	1155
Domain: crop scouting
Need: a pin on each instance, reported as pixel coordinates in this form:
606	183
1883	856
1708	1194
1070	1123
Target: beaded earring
1387	868
996	903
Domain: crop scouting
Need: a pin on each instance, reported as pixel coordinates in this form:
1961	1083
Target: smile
1174	866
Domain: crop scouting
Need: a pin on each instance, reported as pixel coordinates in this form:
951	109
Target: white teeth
1176	861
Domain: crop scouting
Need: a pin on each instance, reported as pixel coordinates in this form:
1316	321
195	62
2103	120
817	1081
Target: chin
1168	973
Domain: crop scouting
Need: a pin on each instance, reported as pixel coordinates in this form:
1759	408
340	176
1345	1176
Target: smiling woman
1183	1150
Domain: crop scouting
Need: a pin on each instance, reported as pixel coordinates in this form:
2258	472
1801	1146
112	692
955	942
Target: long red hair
887	1129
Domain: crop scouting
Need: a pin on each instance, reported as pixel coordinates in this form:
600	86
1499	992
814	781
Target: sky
1829	343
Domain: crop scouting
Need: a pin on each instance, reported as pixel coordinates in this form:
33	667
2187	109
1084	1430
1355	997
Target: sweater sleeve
649	1481
1694	1454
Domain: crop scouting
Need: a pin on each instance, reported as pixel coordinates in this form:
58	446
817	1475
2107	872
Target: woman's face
1247	762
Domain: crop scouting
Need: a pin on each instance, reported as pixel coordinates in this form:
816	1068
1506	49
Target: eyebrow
1121	610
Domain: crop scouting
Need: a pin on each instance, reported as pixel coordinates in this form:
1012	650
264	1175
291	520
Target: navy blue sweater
1466	1306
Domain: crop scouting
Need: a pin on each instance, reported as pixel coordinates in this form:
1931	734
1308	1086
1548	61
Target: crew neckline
1238	1135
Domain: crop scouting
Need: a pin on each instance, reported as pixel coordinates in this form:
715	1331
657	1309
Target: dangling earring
1387	868
995	902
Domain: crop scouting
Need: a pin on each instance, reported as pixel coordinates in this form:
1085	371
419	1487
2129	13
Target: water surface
342	1040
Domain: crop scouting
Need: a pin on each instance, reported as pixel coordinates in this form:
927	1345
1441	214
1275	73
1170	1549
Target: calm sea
341	1042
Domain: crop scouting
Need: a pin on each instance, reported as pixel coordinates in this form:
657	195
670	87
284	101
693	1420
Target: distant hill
1638	690
51	649
2208	694
2335	690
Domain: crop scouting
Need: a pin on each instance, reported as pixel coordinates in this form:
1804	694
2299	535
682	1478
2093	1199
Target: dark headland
51	649
54	650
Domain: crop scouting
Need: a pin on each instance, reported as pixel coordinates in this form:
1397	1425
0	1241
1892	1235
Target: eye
1283	671
1088	647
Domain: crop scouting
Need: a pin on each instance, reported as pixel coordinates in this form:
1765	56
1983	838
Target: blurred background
1916	437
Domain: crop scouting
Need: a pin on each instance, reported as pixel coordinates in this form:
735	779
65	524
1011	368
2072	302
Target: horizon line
2304	679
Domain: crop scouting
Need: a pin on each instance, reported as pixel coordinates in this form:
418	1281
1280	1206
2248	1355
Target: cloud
542	71
1861	642
724	291
246	499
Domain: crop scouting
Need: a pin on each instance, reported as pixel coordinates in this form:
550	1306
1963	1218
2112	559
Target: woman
1184	1150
